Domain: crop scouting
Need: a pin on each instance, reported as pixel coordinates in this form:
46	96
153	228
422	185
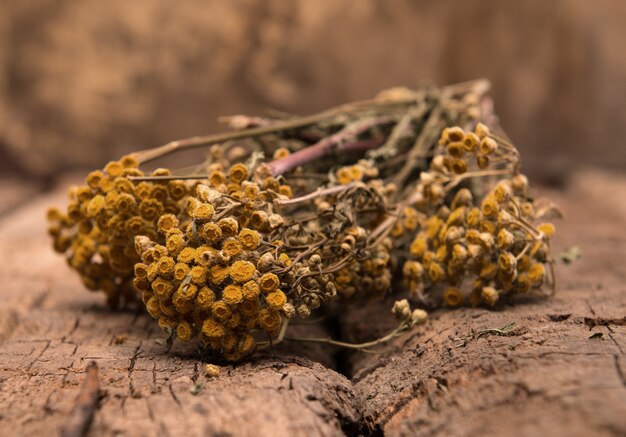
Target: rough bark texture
449	377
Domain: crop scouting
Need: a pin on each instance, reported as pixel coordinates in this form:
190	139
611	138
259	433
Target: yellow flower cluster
209	277
371	275
476	250
356	172
103	216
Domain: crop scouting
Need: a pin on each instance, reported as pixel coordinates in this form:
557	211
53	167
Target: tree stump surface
561	370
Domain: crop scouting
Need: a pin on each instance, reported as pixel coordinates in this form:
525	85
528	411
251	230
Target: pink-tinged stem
338	141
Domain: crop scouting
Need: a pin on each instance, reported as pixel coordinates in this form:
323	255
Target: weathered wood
51	328
546	377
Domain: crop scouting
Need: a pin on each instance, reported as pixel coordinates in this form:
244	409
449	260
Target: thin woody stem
85	405
292	123
314	194
325	146
426	137
479	86
358	346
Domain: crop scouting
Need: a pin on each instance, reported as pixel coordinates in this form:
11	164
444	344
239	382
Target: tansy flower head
150	209
490	295
435	272
165	265
162	288
221	310
276	299
456	149
134	225
462	198
413	269
211	232
199	274
455	134
251	290
259	219
481	130
177	190
490	206
343	175
174	244
269	320
186	255
141	270
129	161
505	239
202	211
452	297
229	226
238	173
536	273
232	294
488	146
246	344
268	282
281	152
231	247
167	222
251	191
153	307
95	205
548	229
123	185
205	298
418	246
218	273
471	141
113	169
502	192
507	261
519	183
285	190
184	331
217	178
94	178
482	161
213	329
242	271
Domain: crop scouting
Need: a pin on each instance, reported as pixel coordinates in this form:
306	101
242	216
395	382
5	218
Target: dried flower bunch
480	246
287	214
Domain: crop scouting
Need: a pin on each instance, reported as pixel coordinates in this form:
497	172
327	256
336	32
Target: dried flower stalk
350	199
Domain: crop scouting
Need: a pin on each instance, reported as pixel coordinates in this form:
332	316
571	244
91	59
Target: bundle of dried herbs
408	193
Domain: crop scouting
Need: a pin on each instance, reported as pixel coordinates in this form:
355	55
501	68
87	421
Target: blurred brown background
83	82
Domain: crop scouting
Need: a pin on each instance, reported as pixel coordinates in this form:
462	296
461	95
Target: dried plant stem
432	128
292	123
85	405
358	346
427	136
340	141
400	130
479	87
314	194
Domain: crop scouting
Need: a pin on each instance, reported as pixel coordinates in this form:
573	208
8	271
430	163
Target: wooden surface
445	378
